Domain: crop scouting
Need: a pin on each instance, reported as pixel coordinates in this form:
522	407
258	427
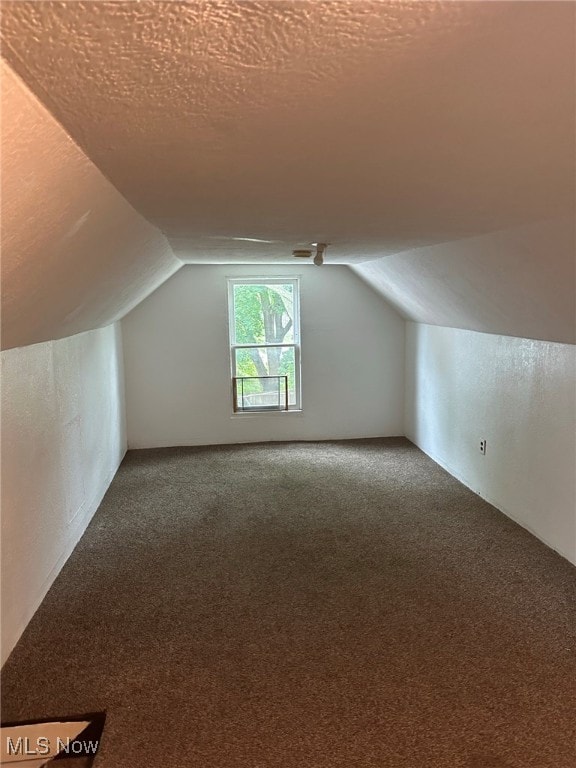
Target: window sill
266	414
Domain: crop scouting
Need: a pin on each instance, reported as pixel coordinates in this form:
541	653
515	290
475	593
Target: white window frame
296	344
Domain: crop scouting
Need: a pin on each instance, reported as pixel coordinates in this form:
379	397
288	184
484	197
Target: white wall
63	437
519	395
178	389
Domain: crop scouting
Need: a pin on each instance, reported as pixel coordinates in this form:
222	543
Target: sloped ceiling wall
246	129
520	282
376	126
75	254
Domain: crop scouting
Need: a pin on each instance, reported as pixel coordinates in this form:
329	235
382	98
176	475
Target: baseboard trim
496	504
77	527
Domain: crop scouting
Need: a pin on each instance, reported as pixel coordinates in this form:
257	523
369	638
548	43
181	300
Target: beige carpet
306	605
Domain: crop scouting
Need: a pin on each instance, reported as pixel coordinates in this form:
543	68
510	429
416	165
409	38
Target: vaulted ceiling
241	130
75	254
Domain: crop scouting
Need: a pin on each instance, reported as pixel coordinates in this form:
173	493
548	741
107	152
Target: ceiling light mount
320	251
306	253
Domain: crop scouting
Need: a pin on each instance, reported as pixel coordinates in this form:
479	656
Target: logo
43	741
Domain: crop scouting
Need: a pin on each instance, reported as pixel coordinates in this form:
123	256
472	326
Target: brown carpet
306	605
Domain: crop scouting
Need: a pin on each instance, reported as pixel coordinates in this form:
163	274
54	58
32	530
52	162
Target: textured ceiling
75	254
375	126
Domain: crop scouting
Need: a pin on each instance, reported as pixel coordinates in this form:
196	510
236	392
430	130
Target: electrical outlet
483	447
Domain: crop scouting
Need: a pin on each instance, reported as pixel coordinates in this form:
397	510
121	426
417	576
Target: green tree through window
264	338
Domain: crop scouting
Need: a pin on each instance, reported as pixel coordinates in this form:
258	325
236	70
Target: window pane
262	361
264	314
261	394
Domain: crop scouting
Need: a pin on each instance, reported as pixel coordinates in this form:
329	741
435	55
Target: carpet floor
305	605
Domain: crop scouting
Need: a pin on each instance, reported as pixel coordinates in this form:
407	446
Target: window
265	344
